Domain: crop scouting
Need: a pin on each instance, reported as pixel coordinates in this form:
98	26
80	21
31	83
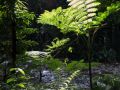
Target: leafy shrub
16	80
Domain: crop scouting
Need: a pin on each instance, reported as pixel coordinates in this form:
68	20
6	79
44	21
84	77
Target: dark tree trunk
10	4
11	27
90	58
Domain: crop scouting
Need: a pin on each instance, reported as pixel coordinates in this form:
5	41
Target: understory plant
16	80
81	18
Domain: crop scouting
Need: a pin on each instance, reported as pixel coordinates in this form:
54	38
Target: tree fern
86	7
74	18
79	17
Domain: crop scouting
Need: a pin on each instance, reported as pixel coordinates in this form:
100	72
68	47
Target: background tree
15	21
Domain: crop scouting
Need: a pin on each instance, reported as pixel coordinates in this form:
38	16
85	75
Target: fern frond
56	44
86	7
73	18
69	79
20	5
103	15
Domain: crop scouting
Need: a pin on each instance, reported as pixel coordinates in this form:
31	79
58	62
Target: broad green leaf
13	69
18	69
21	71
70	49
11	80
21	85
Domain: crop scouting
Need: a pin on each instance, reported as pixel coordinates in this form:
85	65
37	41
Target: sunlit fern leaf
20	5
114	7
86	7
57	43
73	18
66	83
61	18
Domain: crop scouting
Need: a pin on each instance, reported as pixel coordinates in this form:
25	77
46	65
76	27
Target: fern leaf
73	18
69	79
87	6
56	44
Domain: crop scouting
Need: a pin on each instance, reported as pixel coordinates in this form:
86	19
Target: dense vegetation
54	44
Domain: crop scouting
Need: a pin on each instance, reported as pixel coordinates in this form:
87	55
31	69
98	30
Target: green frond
20	5
79	17
69	79
87	8
56	44
73	18
103	15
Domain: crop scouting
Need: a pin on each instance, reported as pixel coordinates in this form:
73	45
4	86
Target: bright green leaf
21	71
11	80
21	85
70	49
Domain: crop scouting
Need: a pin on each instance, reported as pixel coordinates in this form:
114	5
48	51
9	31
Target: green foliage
81	17
73	19
17	70
74	65
17	80
114	7
51	63
23	23
79	65
39	62
106	82
70	49
24	19
66	83
77	18
57	44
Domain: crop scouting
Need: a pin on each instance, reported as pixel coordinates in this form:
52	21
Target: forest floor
103	69
81	80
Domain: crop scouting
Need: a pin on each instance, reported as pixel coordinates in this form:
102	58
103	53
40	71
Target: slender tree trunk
89	59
